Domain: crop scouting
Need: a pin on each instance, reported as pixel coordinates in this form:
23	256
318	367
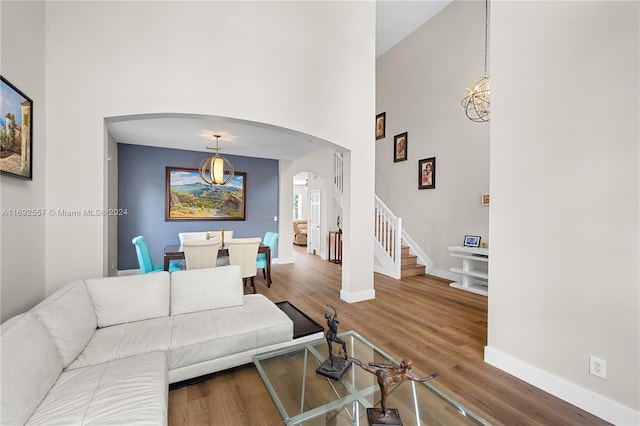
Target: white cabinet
475	269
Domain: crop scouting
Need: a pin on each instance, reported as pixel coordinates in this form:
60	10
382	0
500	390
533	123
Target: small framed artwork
400	147
380	125
427	173
471	241
485	199
16	131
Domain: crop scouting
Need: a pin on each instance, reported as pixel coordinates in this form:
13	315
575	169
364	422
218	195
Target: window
297	207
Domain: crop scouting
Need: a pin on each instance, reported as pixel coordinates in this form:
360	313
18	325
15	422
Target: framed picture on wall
16	131
189	198
380	125
400	147
427	173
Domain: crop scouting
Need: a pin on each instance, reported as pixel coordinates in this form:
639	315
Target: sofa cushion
69	317
125	340
202	289
29	368
206	335
194	337
118	300
129	391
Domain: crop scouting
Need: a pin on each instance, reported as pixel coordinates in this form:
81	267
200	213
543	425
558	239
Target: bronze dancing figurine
334	367
387	375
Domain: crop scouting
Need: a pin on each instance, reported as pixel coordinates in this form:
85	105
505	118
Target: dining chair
223	236
201	254
192	236
144	258
270	239
243	252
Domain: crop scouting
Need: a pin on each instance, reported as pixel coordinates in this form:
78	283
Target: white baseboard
444	274
282	260
357	296
596	404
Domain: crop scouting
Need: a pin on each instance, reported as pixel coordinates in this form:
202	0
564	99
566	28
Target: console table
474	271
336	238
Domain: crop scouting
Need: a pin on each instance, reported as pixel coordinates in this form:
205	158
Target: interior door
313	226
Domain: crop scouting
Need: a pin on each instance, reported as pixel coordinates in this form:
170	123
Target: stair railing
388	235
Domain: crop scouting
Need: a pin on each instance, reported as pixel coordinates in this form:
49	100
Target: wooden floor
440	328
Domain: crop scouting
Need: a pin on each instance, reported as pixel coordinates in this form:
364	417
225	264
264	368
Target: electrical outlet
598	367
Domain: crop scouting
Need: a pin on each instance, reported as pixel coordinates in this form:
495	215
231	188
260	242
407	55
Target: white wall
320	165
299	65
564	267
22	252
420	83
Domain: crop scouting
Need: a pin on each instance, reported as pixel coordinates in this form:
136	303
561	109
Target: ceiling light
212	170
476	104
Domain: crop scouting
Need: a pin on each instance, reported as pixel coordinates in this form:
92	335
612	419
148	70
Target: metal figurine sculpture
334	367
387	375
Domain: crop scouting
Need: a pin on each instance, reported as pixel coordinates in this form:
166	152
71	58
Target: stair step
412	271
409	260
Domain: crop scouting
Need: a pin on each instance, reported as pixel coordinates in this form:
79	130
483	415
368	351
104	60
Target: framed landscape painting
189	198
16	131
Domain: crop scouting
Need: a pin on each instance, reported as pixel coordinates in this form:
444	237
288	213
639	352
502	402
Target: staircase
409	265
395	253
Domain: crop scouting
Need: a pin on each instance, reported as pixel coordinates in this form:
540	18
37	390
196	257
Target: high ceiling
394	21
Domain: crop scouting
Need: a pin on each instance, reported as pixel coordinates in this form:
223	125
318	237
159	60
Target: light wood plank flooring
440	328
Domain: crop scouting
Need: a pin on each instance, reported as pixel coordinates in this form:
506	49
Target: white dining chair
201	254
243	252
223	236
192	236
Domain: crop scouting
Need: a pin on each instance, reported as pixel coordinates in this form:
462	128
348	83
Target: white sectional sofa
103	351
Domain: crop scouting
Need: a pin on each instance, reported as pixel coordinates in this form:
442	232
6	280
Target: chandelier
476	103
212	170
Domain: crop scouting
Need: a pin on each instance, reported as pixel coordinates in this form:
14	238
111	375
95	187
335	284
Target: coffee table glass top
304	397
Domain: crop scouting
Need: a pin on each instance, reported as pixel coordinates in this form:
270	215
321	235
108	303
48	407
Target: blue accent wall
141	191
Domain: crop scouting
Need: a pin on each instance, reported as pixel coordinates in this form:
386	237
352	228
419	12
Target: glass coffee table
306	398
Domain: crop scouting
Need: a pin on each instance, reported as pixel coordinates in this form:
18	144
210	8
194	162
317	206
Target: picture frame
400	145
16	131
427	173
188	197
485	199
381	122
472	241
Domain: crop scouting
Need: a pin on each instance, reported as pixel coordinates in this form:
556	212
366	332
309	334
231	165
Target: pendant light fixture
212	170
476	104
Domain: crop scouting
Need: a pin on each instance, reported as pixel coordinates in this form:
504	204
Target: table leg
269	268
166	262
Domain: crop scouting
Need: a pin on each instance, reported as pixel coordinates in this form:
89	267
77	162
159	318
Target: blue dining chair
270	239
144	258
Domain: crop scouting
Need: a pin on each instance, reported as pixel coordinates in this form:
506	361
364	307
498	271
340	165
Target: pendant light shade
213	169
477	102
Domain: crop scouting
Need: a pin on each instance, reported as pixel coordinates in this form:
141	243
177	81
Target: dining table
176	252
